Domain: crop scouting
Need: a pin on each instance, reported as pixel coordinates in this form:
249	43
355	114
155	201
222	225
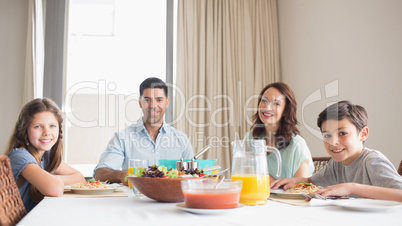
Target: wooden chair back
320	162
12	210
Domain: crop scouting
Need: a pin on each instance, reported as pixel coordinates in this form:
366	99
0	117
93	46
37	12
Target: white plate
367	204
280	193
92	191
182	206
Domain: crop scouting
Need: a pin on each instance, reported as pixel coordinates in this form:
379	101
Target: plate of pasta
296	191
91	188
280	193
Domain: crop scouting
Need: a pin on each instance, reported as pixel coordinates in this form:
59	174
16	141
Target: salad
162	172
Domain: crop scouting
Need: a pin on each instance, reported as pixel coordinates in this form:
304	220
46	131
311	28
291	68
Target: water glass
132	166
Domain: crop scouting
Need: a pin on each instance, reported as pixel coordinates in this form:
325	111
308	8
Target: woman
275	121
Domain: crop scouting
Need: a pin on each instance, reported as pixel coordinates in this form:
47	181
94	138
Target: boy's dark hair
344	109
153	83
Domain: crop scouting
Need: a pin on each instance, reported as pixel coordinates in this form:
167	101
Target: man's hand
111	176
123	178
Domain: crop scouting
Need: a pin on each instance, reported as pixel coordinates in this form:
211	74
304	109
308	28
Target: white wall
13	25
357	43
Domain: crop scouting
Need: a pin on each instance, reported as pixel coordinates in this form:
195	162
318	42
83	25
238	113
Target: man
150	138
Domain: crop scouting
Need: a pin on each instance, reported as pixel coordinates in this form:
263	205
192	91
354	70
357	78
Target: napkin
294	202
320	202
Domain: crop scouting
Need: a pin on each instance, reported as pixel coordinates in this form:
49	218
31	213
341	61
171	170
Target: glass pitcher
251	166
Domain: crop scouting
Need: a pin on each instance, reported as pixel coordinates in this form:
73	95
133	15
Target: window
112	46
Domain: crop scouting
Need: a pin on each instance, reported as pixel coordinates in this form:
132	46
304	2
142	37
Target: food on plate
91	184
303	187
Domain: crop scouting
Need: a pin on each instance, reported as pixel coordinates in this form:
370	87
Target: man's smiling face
153	103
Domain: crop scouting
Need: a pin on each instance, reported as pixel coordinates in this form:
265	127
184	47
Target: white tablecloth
144	211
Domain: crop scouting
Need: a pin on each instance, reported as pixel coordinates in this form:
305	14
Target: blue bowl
202	163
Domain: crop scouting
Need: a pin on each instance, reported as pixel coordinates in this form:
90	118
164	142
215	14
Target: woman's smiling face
271	107
342	140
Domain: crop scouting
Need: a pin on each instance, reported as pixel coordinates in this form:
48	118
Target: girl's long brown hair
288	121
19	137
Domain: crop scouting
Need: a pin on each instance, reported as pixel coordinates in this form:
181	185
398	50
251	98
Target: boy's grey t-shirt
370	168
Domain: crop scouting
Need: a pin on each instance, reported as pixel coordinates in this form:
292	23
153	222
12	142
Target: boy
353	170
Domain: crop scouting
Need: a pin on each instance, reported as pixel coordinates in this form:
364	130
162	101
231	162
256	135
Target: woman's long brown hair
19	137
288	121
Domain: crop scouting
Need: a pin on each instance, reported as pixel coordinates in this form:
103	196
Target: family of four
35	147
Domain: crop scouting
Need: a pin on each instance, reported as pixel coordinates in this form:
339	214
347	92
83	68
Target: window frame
56	13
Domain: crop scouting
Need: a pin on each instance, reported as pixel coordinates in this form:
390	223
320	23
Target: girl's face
271	107
43	131
342	140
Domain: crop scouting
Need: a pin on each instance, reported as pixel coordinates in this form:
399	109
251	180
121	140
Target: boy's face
342	140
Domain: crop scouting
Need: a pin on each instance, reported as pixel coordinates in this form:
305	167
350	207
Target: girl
35	151
275	121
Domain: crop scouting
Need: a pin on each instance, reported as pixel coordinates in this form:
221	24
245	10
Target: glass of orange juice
132	165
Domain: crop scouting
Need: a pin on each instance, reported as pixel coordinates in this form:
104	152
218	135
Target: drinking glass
132	166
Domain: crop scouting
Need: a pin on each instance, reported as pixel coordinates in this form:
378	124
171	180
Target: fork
306	195
318	196
312	195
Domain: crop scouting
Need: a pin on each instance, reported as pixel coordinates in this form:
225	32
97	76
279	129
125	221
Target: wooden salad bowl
160	189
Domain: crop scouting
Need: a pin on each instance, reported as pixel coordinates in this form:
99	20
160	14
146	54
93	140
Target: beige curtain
227	51
35	56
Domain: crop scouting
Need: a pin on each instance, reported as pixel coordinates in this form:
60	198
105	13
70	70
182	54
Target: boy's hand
337	190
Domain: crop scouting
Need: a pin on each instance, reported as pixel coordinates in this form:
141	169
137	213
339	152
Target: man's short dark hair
153	83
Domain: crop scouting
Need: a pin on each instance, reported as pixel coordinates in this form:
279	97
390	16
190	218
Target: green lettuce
138	171
173	173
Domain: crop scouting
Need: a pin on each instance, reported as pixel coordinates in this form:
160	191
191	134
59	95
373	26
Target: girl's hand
68	174
47	184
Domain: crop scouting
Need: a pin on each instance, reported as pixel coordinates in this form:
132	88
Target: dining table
124	208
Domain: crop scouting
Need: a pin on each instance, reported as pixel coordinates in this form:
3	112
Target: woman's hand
287	183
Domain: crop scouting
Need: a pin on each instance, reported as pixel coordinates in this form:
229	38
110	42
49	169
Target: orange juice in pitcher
256	189
251	166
